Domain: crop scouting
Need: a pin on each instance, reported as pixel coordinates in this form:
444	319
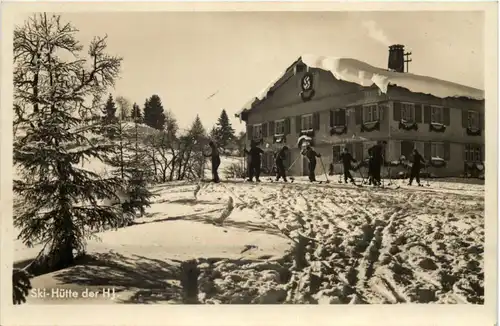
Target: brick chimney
397	58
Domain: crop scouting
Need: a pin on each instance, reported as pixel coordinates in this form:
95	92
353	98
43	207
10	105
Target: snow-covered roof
361	73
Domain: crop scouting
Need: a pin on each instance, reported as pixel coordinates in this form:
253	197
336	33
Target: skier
214	155
311	156
418	160
280	163
346	159
378	161
255	161
370	166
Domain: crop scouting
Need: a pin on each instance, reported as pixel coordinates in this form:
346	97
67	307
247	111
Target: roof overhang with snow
361	73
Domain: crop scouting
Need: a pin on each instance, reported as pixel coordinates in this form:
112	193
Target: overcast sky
185	57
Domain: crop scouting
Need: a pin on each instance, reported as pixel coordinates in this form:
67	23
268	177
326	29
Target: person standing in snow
255	153
347	159
280	163
378	161
214	155
418	161
311	157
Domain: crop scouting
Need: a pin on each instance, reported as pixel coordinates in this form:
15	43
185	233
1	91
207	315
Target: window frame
404	107
435	108
311	121
434	147
369	111
469	124
276	124
257	126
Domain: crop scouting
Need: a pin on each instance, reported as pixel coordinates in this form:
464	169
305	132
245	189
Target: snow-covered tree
136	114
154	115
62	204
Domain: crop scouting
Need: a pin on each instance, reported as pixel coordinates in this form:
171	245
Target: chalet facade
448	131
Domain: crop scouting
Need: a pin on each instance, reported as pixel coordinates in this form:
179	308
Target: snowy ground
365	246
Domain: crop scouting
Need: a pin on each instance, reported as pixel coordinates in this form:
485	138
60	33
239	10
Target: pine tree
154	115
109	118
61	203
225	132
136	113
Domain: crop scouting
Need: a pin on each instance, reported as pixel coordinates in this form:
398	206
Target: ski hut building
340	102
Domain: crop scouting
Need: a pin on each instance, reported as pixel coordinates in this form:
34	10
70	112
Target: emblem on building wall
306	84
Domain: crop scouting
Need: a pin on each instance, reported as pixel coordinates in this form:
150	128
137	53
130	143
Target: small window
473	153
279	126
307	122
370	113
437	150
257	131
340	117
408	112
473	119
436	114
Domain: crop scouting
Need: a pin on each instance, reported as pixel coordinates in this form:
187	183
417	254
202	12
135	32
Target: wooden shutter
343	117
446	116
381	112
427	114
396	111
332	118
272	128
481	120
287	126
465	118
427	150
358	115
264	130
316	121
249	132
298	124
446	147
418	113
359	151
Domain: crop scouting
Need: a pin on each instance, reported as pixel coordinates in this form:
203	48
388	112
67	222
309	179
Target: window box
437	162
437	127
307	132
338	130
407	125
370	126
279	139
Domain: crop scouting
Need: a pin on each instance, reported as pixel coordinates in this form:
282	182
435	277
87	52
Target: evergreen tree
109	111
154	115
225	132
61	202
136	113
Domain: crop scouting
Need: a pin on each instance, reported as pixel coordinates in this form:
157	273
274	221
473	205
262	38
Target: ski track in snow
405	245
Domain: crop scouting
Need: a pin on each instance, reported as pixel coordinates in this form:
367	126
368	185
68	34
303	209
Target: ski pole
291	165
323	165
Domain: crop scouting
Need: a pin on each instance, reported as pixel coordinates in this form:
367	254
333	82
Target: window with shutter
465	118
272	128
306	122
437	114
437	150
370	113
408	112
418	113
280	127
472	119
257	131
332	118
